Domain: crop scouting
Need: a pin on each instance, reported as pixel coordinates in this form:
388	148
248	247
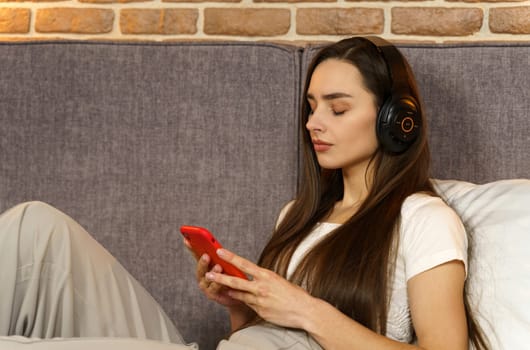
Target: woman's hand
212	290
272	297
240	313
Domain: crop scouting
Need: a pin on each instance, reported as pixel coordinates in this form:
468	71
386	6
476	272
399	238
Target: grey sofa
135	139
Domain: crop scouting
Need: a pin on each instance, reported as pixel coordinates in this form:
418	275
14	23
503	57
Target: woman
366	256
382	260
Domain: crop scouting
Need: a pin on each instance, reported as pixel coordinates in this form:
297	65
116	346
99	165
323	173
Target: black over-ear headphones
398	121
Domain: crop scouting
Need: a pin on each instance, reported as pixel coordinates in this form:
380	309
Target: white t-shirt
431	234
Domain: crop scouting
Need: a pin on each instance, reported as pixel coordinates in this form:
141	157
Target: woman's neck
355	192
356	183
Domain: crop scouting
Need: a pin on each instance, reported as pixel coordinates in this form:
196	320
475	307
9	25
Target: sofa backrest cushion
133	140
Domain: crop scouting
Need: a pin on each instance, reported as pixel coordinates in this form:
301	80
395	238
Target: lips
321	146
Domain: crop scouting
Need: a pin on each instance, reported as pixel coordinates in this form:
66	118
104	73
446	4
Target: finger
217	268
202	266
245	297
214	288
229	281
243	264
206	285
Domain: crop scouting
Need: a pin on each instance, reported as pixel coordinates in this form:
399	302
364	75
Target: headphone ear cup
398	123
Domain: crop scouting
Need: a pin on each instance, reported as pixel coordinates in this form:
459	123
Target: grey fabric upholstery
477	102
135	139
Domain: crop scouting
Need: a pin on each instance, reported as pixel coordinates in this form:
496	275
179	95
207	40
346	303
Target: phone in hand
203	241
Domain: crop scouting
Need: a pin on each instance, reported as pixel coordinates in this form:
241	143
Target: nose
314	122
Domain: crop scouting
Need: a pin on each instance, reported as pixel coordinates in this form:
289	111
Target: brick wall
290	20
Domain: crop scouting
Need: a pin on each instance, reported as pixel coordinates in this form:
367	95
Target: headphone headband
398	121
395	62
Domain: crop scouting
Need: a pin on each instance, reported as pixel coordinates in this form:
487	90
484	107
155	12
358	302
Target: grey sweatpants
57	281
266	337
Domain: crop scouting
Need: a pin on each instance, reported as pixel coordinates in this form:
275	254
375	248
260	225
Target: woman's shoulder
424	215
423	203
431	233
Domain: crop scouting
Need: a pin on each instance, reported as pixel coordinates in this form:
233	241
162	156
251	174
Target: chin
328	166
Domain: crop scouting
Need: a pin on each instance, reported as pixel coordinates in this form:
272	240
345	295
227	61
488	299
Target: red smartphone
202	241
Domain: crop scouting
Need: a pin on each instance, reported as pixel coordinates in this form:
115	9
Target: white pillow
497	219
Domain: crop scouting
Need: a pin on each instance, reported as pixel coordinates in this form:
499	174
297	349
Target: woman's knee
42	213
42	219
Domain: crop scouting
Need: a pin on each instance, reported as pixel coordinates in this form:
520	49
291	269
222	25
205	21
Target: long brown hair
363	248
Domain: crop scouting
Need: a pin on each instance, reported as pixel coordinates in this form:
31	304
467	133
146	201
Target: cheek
364	141
362	132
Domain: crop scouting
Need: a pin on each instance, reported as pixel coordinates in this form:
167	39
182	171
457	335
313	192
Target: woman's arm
435	296
436	299
240	316
437	309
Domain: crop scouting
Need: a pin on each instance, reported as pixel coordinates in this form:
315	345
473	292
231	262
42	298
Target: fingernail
209	276
204	257
221	252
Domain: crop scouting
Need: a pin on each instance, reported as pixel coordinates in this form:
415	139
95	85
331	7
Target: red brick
339	21
199	1
485	0
295	1
510	20
436	21
74	20
159	21
14	20
246	22
110	1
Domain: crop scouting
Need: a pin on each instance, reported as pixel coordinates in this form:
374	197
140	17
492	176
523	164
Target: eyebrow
331	96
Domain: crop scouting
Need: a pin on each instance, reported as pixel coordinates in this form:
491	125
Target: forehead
333	74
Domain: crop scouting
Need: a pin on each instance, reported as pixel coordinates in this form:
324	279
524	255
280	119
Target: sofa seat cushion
22	343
